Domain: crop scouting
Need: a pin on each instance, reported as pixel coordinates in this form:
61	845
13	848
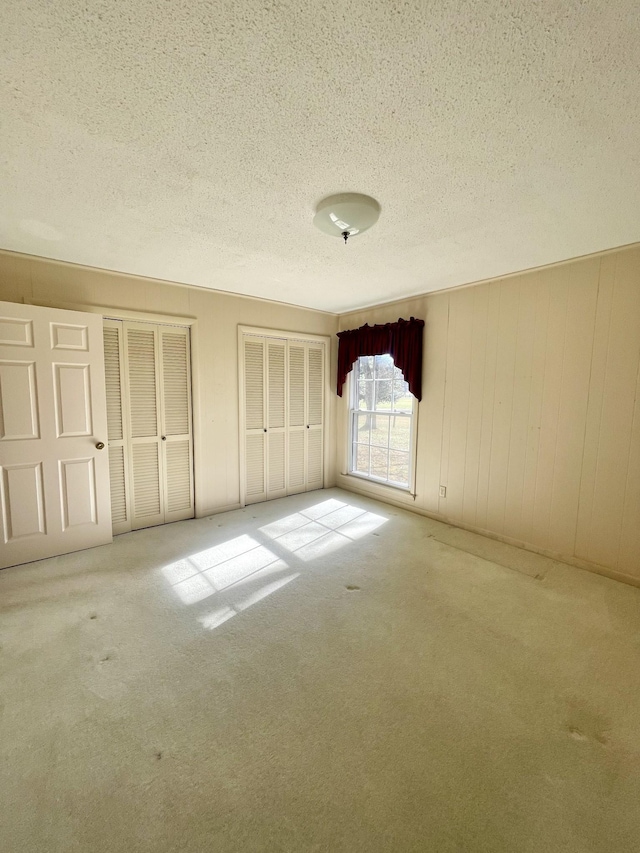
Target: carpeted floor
319	673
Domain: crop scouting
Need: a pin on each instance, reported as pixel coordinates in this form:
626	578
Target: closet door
148	381
283	408
315	410
176	437
146	462
116	406
276	418
254	410
297	418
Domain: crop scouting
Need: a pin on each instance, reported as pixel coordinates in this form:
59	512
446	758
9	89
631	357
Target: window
382	422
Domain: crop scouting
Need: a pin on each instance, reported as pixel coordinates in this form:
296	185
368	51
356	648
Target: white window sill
380	487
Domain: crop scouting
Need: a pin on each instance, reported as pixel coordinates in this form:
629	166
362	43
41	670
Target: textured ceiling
190	140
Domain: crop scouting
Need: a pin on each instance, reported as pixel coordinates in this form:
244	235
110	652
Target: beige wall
215	353
531	409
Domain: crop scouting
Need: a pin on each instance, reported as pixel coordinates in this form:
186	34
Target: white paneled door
54	466
149	411
283	416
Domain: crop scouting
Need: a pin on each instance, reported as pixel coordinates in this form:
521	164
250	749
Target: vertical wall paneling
582	290
457	400
519	413
530	414
611	416
478	354
540	293
629	552
430	421
488	398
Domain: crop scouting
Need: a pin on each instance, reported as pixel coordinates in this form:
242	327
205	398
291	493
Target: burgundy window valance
402	340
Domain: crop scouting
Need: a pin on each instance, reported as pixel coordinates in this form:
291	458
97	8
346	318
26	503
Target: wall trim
347	483
146	278
218	510
338	314
370	306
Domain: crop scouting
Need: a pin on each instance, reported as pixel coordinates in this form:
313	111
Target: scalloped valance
402	340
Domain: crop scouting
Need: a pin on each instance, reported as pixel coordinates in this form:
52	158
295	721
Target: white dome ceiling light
346	214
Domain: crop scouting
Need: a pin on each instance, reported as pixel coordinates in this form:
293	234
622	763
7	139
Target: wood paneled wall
531	409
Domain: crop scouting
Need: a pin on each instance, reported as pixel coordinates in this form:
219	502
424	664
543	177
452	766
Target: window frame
354	411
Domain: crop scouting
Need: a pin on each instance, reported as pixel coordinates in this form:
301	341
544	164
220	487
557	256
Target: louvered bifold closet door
276	418
315	410
116	407
255	419
176	438
146	462
297	417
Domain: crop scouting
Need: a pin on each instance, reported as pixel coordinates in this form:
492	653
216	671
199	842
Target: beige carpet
313	676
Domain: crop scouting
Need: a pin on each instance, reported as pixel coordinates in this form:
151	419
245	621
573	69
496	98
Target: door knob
100	445
164	437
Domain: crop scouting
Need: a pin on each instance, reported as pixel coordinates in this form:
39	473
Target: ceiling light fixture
346	214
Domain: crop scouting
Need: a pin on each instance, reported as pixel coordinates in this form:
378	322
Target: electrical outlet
443	491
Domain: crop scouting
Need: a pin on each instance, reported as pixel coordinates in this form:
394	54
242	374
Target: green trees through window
382	416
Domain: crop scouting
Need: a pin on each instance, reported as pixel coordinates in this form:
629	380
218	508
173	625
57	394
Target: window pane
384	367
403	399
365	367
379	462
400	433
365	394
383	395
362	431
399	467
361	458
380	430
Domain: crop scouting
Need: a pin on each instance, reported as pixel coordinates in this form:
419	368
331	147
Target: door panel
255	420
23	500
178	468
254	462
177	444
54	483
145	464
117	406
147	495
315	409
297	418
150	431
78	492
276	418
72	385
65	336
118	479
18	401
